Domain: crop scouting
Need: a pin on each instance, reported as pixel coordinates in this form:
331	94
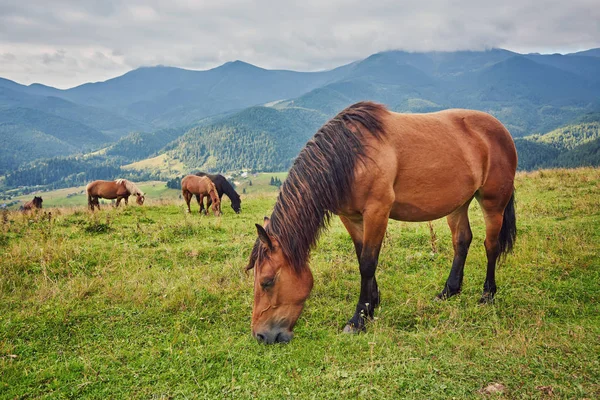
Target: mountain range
240	116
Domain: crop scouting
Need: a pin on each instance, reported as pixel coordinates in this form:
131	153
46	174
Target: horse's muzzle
274	336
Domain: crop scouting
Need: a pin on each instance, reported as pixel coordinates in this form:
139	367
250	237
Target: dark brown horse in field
223	187
368	165
120	189
200	186
36	203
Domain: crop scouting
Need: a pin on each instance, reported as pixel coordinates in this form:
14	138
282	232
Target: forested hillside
27	134
66	172
258	138
573	145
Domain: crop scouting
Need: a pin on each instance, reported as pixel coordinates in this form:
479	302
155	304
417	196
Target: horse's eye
267	283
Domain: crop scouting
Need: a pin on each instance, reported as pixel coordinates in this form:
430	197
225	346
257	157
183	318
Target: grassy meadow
150	302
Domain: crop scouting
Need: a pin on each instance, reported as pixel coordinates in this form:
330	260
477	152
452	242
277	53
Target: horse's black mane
319	182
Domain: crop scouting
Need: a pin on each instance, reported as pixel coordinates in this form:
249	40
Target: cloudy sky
65	43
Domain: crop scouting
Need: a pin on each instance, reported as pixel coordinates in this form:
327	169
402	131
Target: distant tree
275	181
174	183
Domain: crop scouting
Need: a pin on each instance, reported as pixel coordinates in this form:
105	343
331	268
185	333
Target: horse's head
216	203
279	290
236	204
37	202
140	199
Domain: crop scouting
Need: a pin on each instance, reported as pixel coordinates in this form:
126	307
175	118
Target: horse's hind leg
200	200
187	196
493	212
202	204
458	222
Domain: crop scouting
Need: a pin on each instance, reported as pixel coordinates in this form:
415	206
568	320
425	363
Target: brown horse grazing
200	186
367	165
36	203
120	189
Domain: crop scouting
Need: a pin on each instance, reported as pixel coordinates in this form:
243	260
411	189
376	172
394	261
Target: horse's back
97	184
196	184
105	189
430	164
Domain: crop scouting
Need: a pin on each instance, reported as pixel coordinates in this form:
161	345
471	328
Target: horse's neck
229	190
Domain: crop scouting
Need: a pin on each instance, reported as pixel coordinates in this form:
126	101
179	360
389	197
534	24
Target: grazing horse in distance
120	189
368	165
200	186
36	203
223	187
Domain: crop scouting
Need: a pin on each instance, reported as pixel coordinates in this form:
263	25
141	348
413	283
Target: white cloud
72	42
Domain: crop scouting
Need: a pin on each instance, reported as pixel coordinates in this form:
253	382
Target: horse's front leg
126	199
118	201
200	199
208	203
374	225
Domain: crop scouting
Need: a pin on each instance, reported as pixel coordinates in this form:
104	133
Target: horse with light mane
119	189
368	165
35	203
200	186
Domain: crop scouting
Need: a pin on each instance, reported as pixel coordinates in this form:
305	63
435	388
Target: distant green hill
570	136
27	134
74	133
587	154
258	138
573	145
110	123
19	145
140	145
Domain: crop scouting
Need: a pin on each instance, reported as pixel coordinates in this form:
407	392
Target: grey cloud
58	57
104	39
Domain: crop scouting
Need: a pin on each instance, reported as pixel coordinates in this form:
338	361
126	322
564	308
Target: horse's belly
106	194
433	197
416	212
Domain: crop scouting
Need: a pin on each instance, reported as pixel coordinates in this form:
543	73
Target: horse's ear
266	221
264	236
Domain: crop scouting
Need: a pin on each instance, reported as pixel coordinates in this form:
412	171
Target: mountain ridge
158	110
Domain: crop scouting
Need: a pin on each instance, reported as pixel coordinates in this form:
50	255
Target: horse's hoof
446	294
487	298
351	329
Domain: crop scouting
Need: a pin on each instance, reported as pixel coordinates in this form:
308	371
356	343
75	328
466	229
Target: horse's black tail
508	232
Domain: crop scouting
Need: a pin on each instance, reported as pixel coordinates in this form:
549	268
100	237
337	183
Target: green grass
150	302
